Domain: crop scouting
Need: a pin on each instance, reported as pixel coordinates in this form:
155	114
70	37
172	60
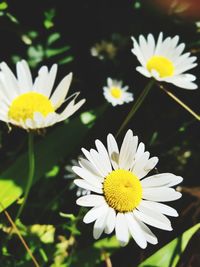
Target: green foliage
88	118
170	254
47	152
38	52
96	253
53	172
49	16
3	5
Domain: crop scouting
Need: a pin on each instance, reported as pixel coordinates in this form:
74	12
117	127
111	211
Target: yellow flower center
116	92
122	190
24	106
162	65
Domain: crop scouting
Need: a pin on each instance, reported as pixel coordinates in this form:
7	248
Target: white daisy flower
124	199
164	60
33	105
115	93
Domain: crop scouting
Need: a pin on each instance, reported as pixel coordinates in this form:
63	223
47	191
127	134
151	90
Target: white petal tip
76	182
155	242
96	235
179	195
85	221
143	246
122	243
169	228
180	179
78	202
175	214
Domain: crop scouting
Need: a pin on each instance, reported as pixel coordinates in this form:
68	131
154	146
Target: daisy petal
137	51
51	79
99	225
163	179
85	185
135	230
24	76
143	71
150	237
113	151
121	229
89	177
162	208
110	221
84	163
140	151
153	218
95	213
70	109
139	166
99	162
11	80
127	151
162	194
41	79
104	154
159	43
61	91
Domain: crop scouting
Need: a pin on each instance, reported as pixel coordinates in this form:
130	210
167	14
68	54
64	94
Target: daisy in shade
164	60
32	104
115	93
122	199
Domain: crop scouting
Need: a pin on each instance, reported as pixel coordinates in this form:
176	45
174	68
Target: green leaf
12	18
169	255
25	38
48	21
108	243
3	6
65	60
51	52
56	145
53	38
32	34
87	117
48	24
36	52
53	172
95	254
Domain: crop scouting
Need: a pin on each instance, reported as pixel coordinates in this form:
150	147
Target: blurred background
93	40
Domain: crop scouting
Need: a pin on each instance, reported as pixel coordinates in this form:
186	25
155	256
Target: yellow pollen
24	106
162	65
116	92
122	190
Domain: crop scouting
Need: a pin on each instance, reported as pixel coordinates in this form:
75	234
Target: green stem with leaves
31	160
136	106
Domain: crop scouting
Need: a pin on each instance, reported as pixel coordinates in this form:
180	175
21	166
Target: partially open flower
164	60
32	105
115	93
124	199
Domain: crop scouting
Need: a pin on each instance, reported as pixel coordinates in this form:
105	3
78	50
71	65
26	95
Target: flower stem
136	106
19	235
194	114
31	159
